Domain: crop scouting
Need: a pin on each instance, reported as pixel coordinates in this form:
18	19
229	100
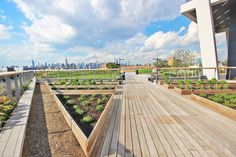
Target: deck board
151	121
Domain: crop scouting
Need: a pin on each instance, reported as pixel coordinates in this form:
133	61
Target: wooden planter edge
219	108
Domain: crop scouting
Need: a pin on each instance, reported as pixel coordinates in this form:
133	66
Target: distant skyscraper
33	64
66	64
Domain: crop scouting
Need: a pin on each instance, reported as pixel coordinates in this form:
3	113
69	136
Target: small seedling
75	107
85	103
66	97
70	102
99	108
87	119
79	111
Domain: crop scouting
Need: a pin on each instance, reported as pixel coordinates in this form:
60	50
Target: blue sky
93	30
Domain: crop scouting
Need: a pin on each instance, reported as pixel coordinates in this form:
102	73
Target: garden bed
83	115
224	104
206	91
85	109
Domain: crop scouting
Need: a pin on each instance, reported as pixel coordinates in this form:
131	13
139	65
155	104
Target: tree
160	63
183	58
112	65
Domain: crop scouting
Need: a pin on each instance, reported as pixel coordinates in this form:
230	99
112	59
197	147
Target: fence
80	74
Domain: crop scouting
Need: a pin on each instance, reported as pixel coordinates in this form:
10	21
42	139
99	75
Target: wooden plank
107	141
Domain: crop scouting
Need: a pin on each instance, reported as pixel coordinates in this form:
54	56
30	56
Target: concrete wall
207	37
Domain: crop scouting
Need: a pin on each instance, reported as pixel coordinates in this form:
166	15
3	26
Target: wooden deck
148	120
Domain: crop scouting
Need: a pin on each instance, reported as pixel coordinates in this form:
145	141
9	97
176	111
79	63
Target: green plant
66	97
181	84
85	102
222	84
70	102
104	98
188	84
79	111
100	108
166	79
62	82
99	101
74	82
213	83
87	119
203	95
199	84
101	82
25	87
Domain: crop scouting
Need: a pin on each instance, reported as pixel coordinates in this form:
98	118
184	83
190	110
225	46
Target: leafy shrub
87	119
222	84
100	108
4	100
181	84
62	82
213	82
199	84
218	99
188	84
74	82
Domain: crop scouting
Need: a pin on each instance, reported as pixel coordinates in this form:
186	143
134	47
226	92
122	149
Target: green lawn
145	71
79	74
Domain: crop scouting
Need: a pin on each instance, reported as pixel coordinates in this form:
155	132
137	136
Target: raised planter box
183	91
87	144
223	110
170	86
206	91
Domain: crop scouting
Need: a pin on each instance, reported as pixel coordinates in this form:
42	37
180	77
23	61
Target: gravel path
48	134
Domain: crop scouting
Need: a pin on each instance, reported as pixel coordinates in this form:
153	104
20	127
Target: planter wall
87	144
183	91
224	110
170	86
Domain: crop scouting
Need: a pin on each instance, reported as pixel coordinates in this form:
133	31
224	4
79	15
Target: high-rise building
33	64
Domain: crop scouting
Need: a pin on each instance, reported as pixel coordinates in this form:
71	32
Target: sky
95	30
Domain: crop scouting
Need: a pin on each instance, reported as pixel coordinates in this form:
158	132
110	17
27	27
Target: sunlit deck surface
148	120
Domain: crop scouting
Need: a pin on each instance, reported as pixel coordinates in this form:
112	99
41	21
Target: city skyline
29	31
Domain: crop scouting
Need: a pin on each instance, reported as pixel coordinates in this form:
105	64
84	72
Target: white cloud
171	39
93	20
4	31
49	29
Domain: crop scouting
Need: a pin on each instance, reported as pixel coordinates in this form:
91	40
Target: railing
12	84
80	74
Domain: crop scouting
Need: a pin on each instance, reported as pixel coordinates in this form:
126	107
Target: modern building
213	16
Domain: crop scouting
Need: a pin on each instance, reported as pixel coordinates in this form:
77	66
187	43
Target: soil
48	134
89	109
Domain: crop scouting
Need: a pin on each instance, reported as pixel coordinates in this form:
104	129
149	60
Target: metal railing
79	74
